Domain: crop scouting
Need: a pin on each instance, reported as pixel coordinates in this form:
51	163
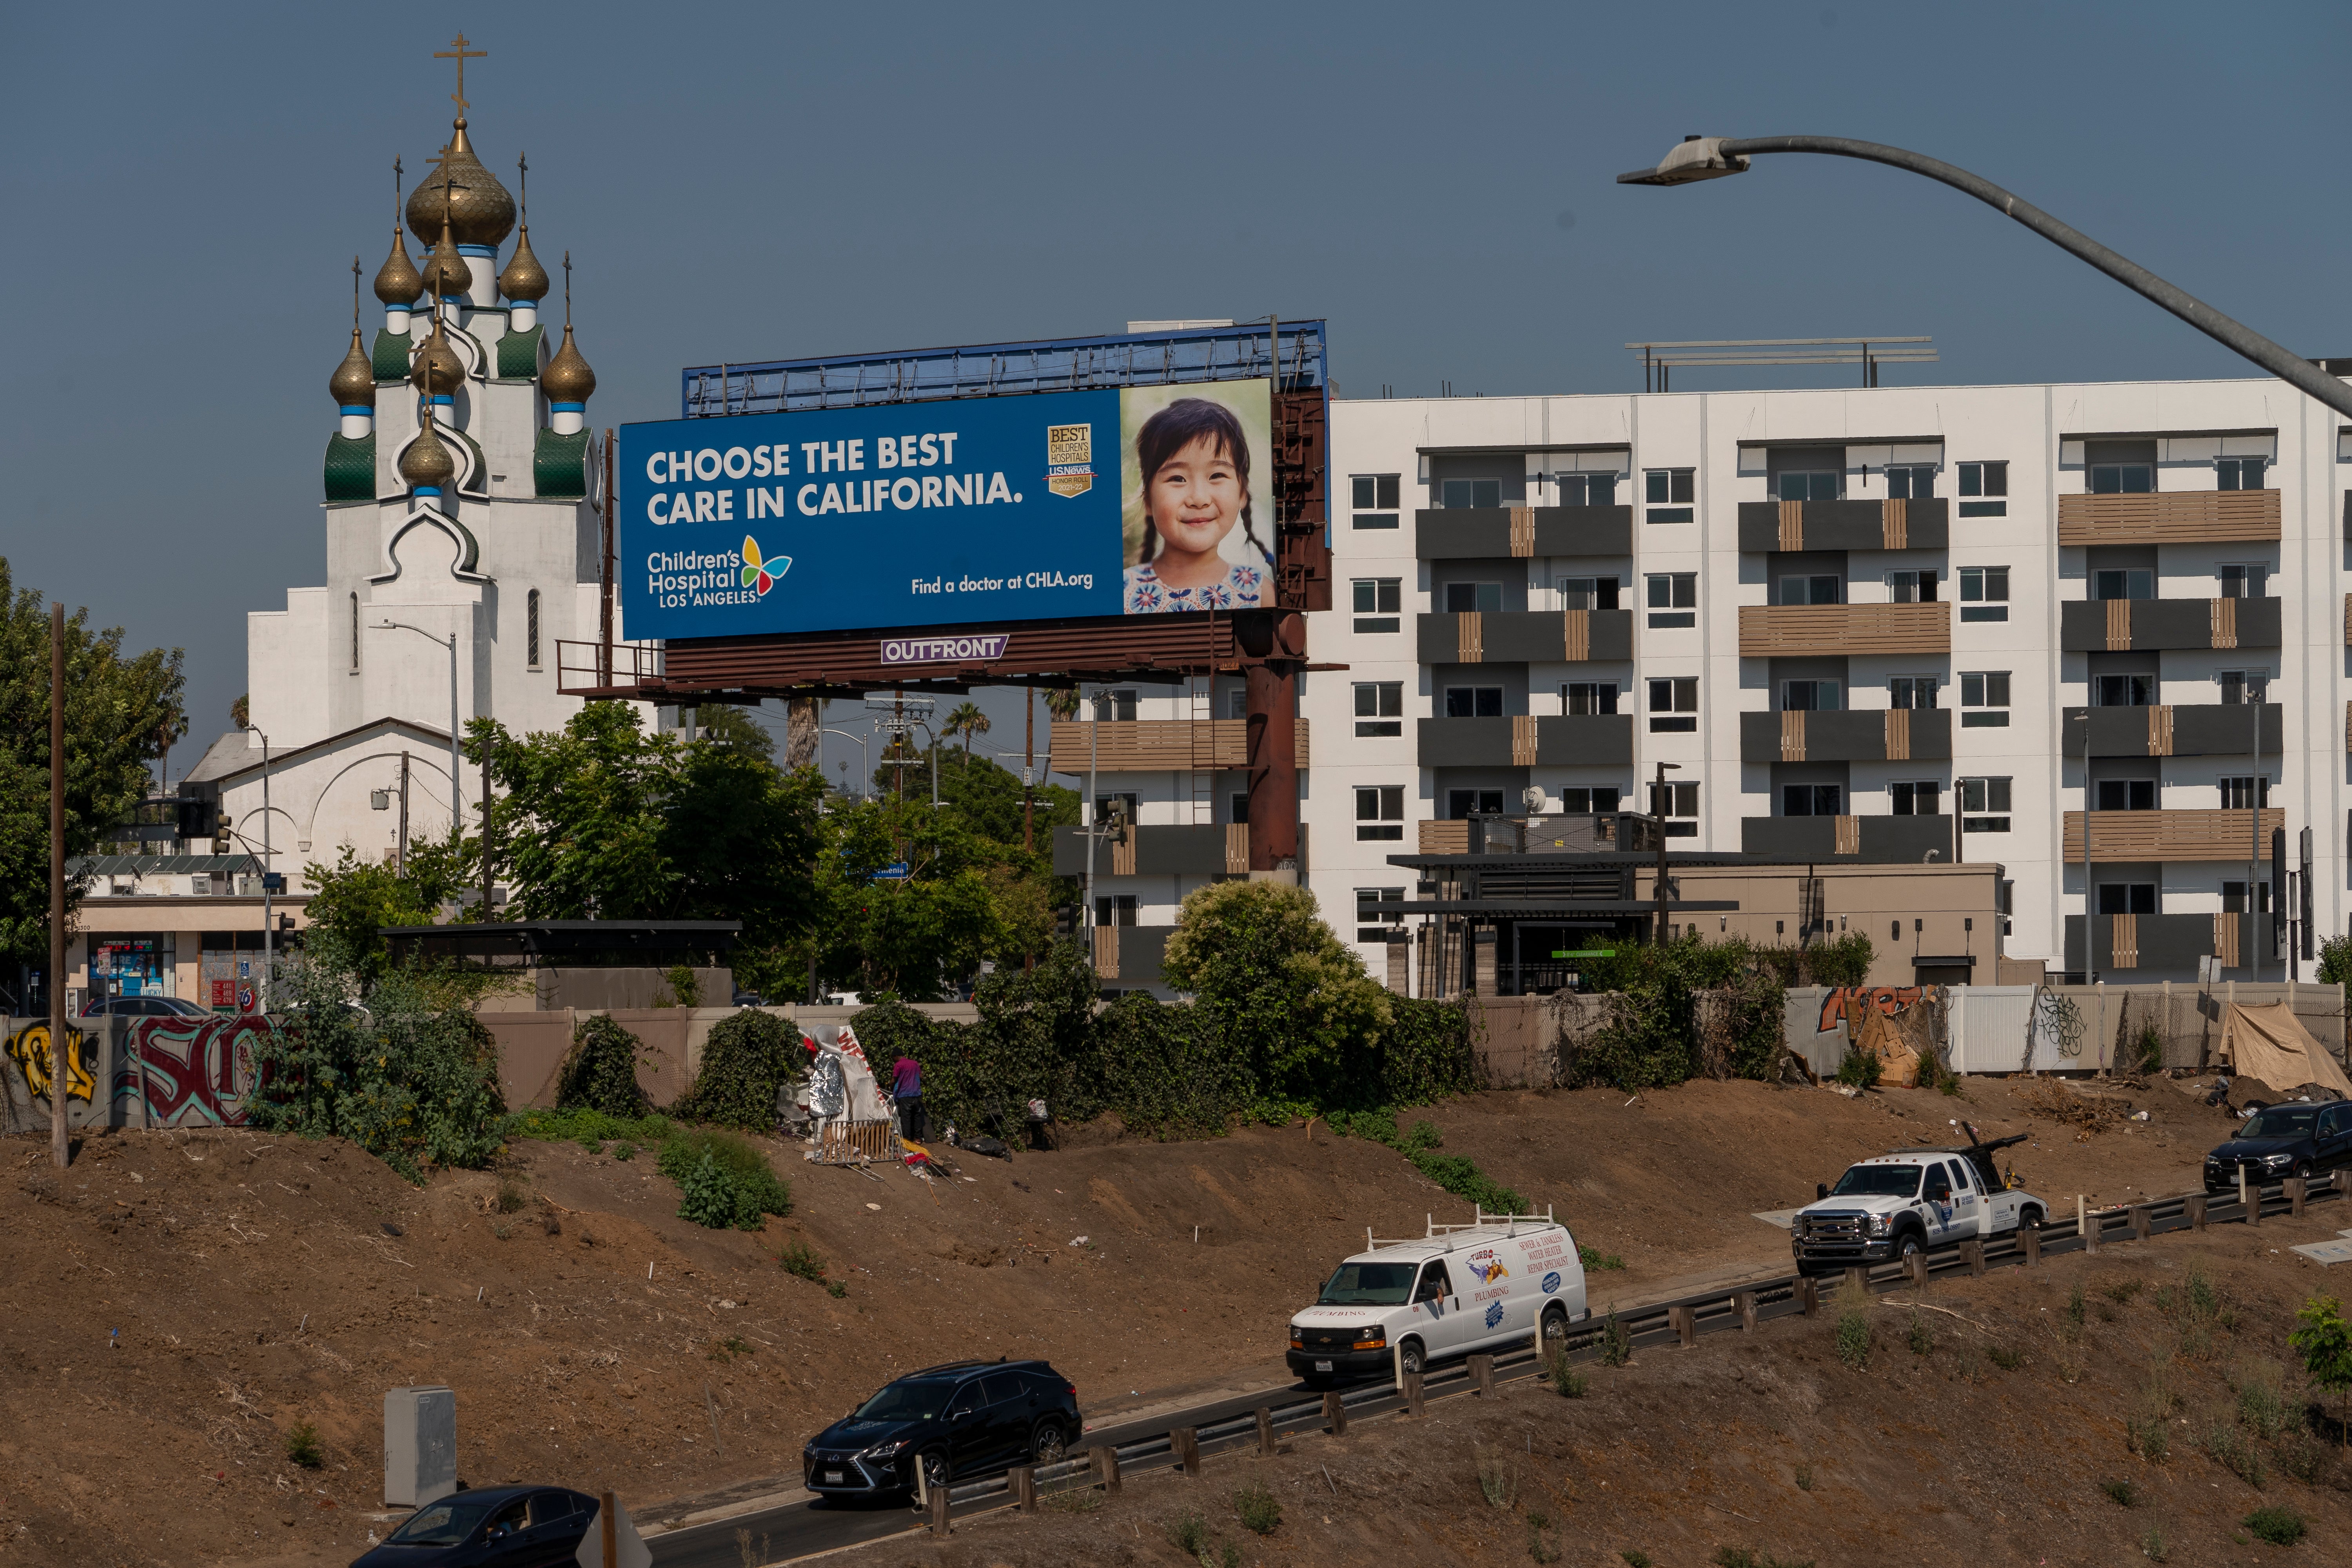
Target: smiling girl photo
1192	523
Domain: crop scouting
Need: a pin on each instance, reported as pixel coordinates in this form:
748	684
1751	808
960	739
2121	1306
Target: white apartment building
1878	625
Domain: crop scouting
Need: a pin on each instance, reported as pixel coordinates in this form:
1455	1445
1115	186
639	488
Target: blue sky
187	187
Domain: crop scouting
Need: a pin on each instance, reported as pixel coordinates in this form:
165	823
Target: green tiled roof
391	355
350	467
519	354
559	468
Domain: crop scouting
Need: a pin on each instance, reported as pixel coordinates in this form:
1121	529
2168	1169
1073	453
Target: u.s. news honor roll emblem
1069	459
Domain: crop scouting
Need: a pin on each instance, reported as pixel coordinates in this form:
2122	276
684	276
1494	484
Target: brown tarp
2270	1044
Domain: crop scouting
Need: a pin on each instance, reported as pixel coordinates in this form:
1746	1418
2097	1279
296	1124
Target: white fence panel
1989	1025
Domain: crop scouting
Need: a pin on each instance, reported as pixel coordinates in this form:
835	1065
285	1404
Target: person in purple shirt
906	1089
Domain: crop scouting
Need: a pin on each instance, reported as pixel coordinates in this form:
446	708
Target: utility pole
604	583
58	1058
1028	778
400	858
268	864
485	821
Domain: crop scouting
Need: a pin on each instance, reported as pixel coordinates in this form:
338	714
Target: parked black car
496	1527
143	1007
2297	1139
964	1418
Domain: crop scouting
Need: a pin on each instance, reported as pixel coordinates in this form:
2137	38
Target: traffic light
195	819
220	834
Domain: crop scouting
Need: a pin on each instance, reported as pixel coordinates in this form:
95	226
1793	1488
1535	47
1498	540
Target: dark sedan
496	1527
2294	1140
964	1418
143	1007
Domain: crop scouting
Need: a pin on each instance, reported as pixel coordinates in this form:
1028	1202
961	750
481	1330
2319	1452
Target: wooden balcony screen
2176	517
2210	835
1144	745
1769	630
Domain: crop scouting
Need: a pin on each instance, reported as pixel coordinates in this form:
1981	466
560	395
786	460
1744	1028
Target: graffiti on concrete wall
28	1048
1848	1003
190	1072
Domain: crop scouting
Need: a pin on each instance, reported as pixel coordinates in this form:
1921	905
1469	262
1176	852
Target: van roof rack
1483	1221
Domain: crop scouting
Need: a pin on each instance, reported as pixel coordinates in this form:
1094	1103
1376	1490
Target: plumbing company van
1458	1289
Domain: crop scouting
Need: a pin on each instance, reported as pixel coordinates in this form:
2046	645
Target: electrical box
420	1445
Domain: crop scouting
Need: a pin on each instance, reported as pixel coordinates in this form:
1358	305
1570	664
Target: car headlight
2277	1161
1371	1339
1877	1224
887	1450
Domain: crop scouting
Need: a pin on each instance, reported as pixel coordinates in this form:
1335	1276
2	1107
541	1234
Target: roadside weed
2278	1525
2123	1494
1635	1558
1498	1478
1566	1381
2230	1450
1804	1478
2153	1545
1188	1533
302	1447
514	1194
1921	1338
2007	1357
799	1260
2261	1406
1616	1342
1260	1513
1853	1336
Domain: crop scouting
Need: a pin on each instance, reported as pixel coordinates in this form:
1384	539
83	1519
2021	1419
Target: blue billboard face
1063	505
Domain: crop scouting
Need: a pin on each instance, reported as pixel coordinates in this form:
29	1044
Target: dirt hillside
180	1303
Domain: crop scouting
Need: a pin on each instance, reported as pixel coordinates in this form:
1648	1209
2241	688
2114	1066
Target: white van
1458	1289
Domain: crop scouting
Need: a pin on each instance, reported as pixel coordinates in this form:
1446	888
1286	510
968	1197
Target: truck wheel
1409	1352
1555	1330
935	1467
1048	1445
2303	1168
1909	1245
2029	1218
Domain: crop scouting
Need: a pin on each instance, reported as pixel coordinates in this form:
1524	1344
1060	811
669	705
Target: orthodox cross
459	51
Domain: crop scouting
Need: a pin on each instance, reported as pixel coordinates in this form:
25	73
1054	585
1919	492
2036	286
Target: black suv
956	1420
2280	1141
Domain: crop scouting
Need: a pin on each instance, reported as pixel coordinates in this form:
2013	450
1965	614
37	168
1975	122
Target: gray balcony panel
1465	743
1848	735
2169	945
1482	533
2161	624
2205	729
1847	525
1883	840
1596	739
1188	850
1584	531
1522	636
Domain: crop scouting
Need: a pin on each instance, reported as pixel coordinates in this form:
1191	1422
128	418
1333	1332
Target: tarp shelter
2270	1044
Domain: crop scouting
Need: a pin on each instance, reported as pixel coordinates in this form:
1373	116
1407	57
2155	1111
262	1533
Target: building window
2123	478
355	634
2123	691
1115	909
530	627
1811	800
1674	599
1811	696
1117	808
1910	481
1462	598
1916	797
2127	898
1984	488
1366	930
1464	802
1118	704
1583	697
2132	794
2245	580
1379	602
2241	473
1238	801
1984	807
1678	804
1587	490
2245	793
1911	691
2239	686
1984	699
1674	705
1669	494
1379	811
1376	499
1909	587
2233	898
1984	592
1599	802
1470	492
1588	592
1473	702
2137	583
1816	486
1824	590
1379	708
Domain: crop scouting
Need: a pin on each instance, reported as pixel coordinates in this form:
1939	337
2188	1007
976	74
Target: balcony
2179	517
1164	849
2208	730
1129	955
2173	942
1853	735
1490	532
2213	835
1771	631
1590	740
1155	745
2139	626
1769	525
1870	840
1524	636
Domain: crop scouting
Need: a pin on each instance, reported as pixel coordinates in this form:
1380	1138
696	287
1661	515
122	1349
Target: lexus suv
965	1418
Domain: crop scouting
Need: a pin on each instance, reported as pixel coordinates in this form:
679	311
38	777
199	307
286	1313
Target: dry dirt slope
258	1282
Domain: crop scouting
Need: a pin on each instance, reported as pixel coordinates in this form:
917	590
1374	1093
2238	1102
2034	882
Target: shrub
302	1447
2300	1456
748	1059
1804	1478
2260	1406
1565	1380
801	1261
1749	1557
1921	1339
2149	1437
2230	1450
2153	1544
1595	1260
1859	1069
601	1071
1616	1342
2123	1494
1853	1333
1634	1559
2006	1357
2278	1524
514	1194
1841	960
1260	1513
1498	1478
724	1180
682	990
2121	1292
2146	1054
1188	1533
1655	1030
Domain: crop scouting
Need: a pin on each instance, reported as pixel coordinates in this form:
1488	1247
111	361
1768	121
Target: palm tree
1062	701
969	718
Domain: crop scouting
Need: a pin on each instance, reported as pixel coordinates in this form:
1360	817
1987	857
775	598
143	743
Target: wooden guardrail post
1335	1413
1745	1301
2087	1224
1972	1253
1915	1268
1858	1279
2143	1221
1809	1295
2193	1206
1186	1443
1482	1375
1265	1430
2296	1187
1106	1467
1684	1323
2029	1236
939	1526
2250	1197
1024	1487
1414	1403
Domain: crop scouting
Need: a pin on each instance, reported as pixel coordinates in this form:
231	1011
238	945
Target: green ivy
1457	1173
749	1057
1652	1034
601	1072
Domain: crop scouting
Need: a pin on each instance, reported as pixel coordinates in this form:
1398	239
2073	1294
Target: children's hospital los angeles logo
681	579
759	574
1069	459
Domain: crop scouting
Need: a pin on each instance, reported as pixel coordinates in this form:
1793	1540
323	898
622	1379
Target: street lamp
865	774
269	871
1713	157
456	790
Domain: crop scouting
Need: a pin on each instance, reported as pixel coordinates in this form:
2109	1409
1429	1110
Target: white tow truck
1908	1200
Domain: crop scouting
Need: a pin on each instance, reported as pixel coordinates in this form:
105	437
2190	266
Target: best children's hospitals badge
1069	459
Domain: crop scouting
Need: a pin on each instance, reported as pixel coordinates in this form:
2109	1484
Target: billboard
1126	501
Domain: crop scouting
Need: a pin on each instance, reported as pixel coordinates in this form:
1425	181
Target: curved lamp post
456	790
1713	157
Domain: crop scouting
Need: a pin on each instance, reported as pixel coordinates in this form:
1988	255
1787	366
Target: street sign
629	1550
273	882
893	872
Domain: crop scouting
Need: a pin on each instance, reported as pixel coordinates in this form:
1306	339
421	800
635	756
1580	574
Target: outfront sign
1054	506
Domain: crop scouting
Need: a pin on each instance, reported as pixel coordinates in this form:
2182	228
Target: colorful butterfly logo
760	573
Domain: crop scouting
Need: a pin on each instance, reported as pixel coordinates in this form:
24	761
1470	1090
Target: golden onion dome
479	208
427	462
354	383
524	278
446	276
397	281
436	369
567	378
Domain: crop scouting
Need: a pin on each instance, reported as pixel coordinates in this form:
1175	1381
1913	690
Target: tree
354	900
724	724
240	712
968	720
2323	1340
115	708
1288	997
1062	701
2335	960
